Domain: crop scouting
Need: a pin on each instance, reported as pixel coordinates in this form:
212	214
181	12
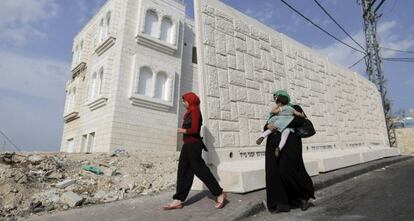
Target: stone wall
242	62
405	140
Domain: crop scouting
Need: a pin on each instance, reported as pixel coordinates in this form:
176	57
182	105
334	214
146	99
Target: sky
36	39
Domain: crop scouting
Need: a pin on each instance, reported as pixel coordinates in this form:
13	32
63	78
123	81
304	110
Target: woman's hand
181	130
271	127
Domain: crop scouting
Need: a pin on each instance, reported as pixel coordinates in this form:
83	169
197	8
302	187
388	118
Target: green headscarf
283	93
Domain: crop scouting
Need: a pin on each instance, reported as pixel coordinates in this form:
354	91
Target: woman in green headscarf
287	182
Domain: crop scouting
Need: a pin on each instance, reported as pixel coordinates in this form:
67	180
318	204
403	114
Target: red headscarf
193	101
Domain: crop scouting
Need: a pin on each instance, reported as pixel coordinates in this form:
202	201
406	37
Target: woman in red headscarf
190	162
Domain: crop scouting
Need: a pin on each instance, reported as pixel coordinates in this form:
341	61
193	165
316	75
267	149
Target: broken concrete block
34	159
71	199
65	183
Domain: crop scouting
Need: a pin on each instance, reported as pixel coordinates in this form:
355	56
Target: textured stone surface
260	61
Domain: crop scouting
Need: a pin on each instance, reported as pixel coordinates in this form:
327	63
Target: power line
399	58
8	139
392	49
407	61
379	6
326	32
329	15
357	62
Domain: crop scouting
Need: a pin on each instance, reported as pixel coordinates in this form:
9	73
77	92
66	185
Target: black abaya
287	181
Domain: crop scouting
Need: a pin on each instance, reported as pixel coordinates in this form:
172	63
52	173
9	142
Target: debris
71	199
93	169
65	183
32	183
35	159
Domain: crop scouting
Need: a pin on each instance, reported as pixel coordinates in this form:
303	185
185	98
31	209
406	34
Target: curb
328	179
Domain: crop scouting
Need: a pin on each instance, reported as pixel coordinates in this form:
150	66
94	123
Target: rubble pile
42	182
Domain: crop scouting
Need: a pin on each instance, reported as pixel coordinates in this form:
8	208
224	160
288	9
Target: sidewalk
200	205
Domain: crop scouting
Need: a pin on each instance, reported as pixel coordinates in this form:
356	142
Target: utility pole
373	61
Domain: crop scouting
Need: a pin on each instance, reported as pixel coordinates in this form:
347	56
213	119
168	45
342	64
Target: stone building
135	58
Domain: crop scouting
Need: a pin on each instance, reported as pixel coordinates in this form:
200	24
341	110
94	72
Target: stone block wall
242	62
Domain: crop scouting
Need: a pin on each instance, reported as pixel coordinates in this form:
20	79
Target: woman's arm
297	121
299	114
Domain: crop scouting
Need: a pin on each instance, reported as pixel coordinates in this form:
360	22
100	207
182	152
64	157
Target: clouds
33	77
32	99
87	8
411	82
265	13
387	37
21	20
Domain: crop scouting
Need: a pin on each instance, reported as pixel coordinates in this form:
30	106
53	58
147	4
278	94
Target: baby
280	117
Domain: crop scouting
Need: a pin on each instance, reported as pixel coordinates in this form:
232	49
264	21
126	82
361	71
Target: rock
100	194
10	202
7	158
110	171
19	177
111	196
71	199
55	175
36	207
65	183
35	159
47	198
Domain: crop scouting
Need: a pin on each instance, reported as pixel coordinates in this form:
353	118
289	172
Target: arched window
167	30
107	23
151	23
68	98
145	81
101	30
72	95
100	81
161	86
80	52
75	54
93	86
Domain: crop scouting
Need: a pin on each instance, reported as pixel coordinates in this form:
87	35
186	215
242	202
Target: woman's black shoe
281	209
304	205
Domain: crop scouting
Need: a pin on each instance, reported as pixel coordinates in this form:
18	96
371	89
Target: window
167	30
95	89
151	23
107	24
145	82
194	57
101	30
100	81
92	86
83	145
161	86
70	145
91	141
75	54
152	89
79	56
70	99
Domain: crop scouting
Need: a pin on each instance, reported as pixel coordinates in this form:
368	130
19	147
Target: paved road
384	194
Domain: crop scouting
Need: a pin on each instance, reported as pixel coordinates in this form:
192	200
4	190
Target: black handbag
306	130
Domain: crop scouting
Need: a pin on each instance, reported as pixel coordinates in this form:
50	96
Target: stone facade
134	103
405	140
135	58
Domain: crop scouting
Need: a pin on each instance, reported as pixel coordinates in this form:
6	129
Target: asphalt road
384	194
